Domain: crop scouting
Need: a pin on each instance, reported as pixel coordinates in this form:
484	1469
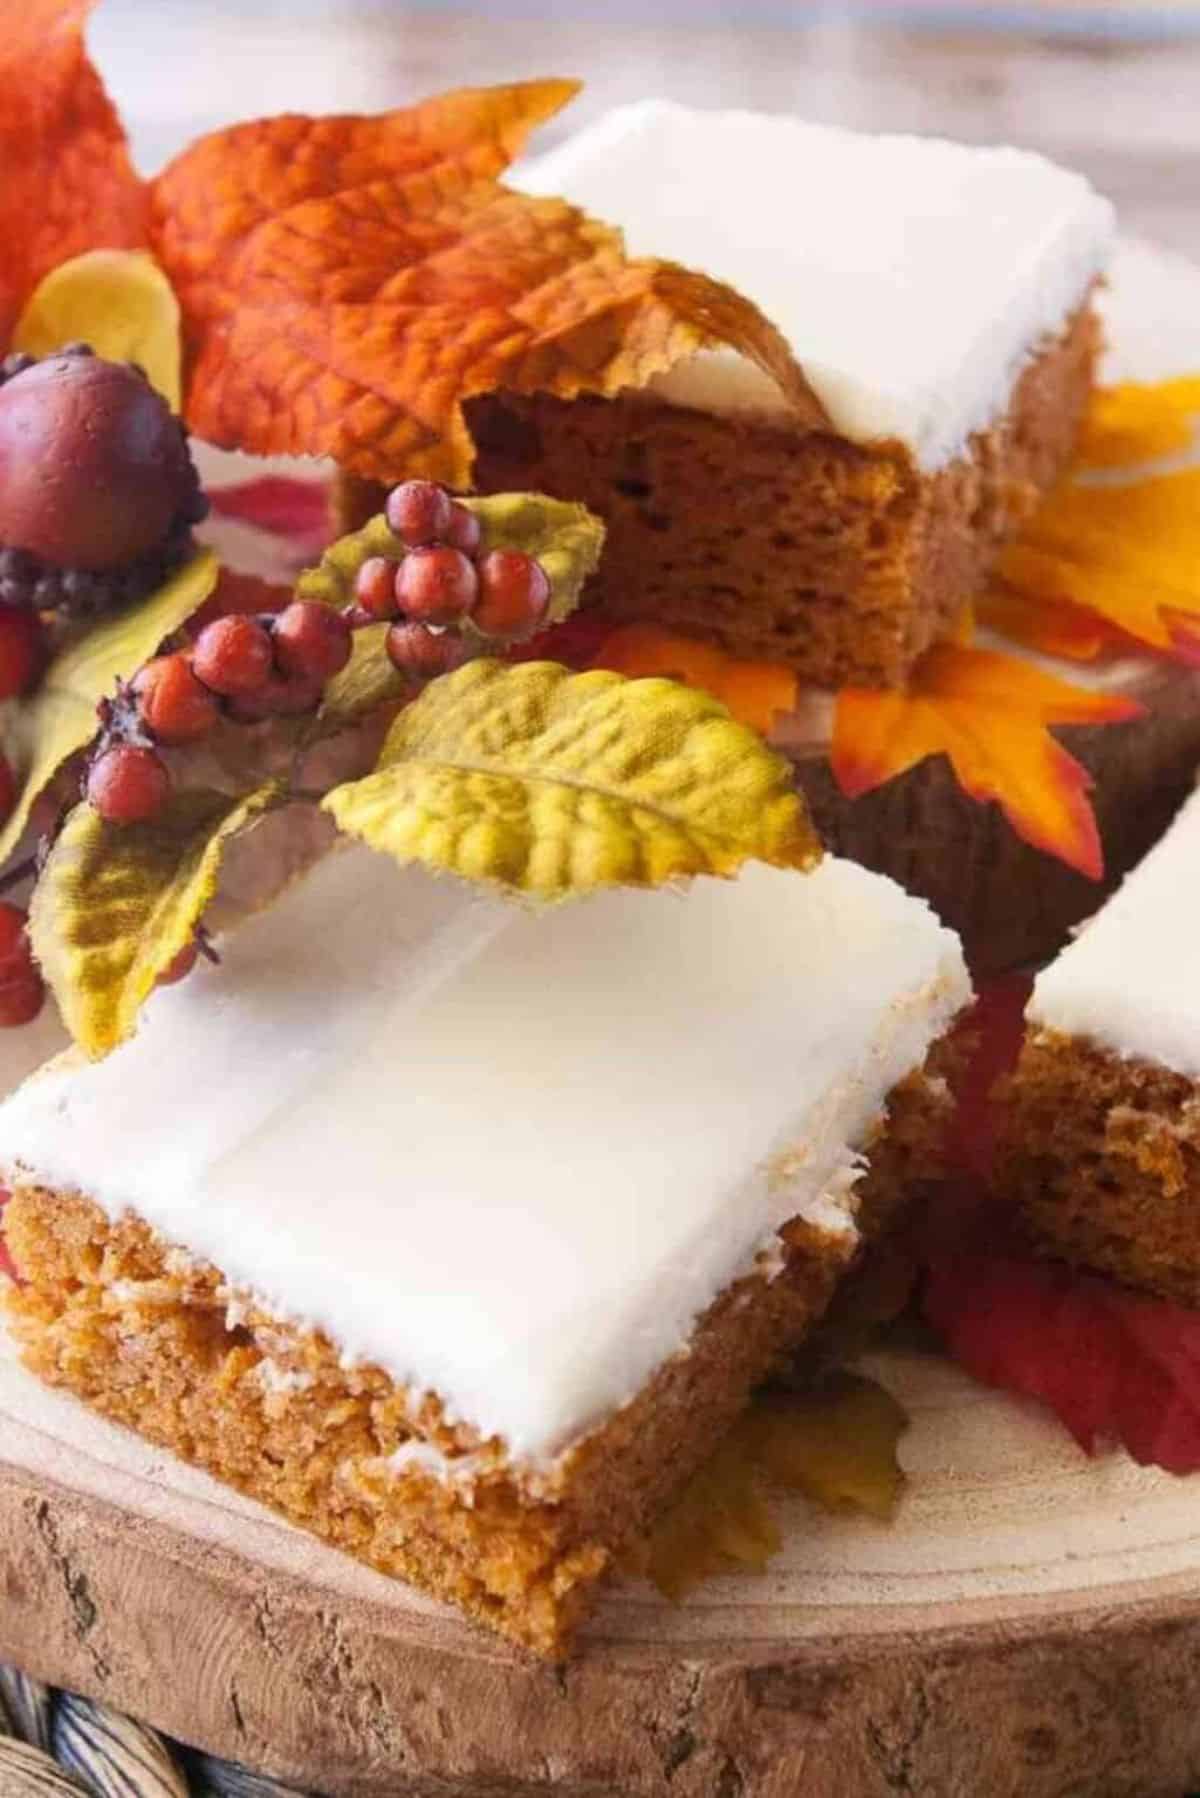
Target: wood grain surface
1029	1625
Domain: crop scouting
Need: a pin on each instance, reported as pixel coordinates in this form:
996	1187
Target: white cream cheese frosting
510	1157
1131	979
912	277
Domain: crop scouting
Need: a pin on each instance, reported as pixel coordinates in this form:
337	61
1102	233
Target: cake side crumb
114	1313
1101	1155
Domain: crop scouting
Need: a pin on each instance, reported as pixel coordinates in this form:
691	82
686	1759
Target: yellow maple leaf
989	715
835	1442
752	692
1129	553
1139	421
121	303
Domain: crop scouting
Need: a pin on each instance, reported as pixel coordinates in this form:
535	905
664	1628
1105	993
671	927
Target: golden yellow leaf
719	1523
564	537
989	714
1129	553
835	1442
1139	421
115	905
121	303
549	783
60	717
753	692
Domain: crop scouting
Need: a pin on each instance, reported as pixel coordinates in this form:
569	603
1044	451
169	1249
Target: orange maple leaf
1051	626
1139	421
347	283
68	184
988	714
754	692
1128	552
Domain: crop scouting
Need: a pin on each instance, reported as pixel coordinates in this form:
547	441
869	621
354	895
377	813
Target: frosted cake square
937	297
459	1234
1102	1145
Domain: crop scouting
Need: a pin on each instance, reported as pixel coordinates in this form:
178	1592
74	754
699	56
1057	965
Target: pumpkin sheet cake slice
457	1232
1102	1144
937	296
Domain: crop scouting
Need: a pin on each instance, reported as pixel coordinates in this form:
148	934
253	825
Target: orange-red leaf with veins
989	714
66	181
347	283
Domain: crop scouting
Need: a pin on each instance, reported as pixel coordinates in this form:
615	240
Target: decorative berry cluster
242	667
250	667
442	581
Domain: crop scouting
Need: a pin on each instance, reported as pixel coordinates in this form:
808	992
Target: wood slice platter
1030	1624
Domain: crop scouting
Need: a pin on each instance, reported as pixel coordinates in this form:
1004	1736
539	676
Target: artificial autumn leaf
835	1443
990	1035
1139	421
115	905
549	783
348	283
1129	553
68	184
1052	627
121	303
284	505
564	537
989	714
752	692
1115	1367
60	716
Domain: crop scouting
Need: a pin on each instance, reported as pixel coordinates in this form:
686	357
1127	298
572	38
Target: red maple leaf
1114	1366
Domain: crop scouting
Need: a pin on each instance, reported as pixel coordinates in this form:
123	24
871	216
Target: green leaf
116	904
41	732
565	538
550	783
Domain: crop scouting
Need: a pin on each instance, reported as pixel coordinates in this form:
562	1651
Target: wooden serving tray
1029	1625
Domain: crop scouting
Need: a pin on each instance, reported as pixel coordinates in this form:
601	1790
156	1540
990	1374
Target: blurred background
1113	89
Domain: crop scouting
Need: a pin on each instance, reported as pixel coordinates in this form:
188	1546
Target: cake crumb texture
158	1342
843	560
1101	1153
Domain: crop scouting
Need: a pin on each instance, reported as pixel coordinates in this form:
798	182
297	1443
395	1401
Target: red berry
179	968
418	512
21	989
93	467
279	698
464	530
436	586
8	787
233	655
311	642
22	648
127	784
375	586
514	593
174	706
423	654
